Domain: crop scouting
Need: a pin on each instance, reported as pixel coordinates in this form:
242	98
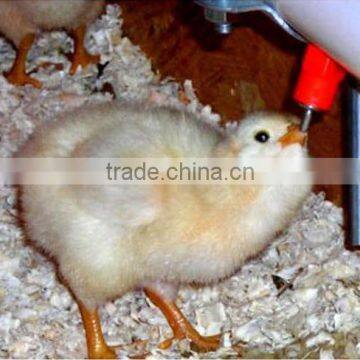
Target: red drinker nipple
319	80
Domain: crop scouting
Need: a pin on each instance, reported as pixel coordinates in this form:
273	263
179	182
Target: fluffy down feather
108	240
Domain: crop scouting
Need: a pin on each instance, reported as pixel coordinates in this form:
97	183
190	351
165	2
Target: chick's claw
21	79
164	345
104	352
181	327
81	57
197	343
206	343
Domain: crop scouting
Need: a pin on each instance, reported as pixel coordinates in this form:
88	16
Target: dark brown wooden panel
254	67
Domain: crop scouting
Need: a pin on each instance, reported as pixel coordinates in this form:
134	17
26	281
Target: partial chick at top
20	20
108	240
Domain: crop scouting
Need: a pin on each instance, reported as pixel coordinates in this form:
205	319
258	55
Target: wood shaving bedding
300	298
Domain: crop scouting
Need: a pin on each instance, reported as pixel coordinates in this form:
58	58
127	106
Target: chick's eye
262	136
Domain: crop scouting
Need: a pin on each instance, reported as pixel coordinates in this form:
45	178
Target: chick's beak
293	136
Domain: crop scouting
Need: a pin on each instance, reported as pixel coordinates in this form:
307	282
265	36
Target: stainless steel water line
354	189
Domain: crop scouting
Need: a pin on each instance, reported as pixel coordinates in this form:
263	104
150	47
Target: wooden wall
255	67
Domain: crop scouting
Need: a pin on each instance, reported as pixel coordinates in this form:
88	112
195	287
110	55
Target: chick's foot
197	342
104	353
21	79
97	347
81	57
204	343
17	75
180	326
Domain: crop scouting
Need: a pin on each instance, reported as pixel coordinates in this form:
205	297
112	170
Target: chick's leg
97	348
180	326
81	57
17	75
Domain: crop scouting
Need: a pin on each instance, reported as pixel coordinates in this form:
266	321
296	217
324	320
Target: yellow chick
110	239
20	20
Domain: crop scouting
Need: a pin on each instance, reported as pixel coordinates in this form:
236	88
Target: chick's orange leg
17	75
180	326
81	57
97	347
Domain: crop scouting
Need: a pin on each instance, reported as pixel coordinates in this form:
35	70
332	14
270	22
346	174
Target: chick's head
269	135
